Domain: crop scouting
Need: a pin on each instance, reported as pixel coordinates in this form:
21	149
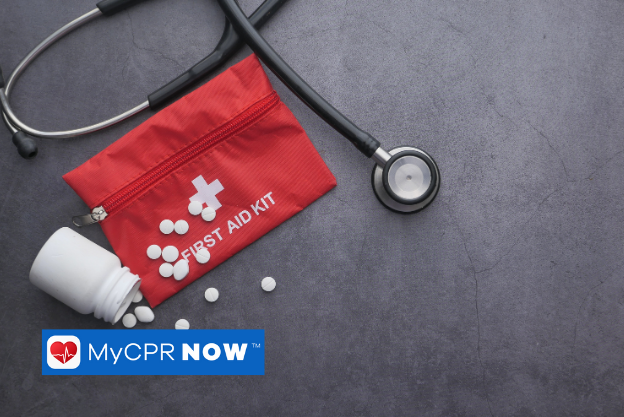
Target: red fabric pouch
232	145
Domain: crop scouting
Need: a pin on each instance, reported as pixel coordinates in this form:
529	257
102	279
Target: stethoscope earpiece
26	145
406	179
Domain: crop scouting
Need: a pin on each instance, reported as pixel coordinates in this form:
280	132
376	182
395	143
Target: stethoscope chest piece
409	180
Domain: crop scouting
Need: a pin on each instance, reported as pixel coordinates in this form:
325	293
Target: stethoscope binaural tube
405	180
228	44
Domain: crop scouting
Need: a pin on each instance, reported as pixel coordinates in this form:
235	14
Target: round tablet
170	253
268	284
166	270
195	208
181	227
202	256
209	214
182	324
181	269
153	252
212	295
137	297
144	314
166	226
129	320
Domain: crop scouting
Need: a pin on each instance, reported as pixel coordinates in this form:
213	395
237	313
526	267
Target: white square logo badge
63	352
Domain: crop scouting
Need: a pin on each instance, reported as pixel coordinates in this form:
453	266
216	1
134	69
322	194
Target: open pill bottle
84	276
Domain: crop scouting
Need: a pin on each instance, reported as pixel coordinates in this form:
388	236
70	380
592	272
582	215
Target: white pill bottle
84	276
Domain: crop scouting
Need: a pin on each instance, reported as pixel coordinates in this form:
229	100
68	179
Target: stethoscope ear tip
408	181
26	145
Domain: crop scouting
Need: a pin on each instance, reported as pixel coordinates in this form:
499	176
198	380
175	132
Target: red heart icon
63	351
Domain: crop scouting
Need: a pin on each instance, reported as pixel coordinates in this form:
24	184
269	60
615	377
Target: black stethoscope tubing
394	194
362	140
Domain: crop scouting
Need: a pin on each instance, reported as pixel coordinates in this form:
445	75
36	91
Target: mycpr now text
167	352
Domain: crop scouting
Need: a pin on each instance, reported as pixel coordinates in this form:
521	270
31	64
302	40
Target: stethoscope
405	179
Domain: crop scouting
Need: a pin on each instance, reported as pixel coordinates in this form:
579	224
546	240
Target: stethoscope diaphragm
408	181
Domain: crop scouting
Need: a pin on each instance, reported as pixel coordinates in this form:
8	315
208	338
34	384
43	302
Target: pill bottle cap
121	290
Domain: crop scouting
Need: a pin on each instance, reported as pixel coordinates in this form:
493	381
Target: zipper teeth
146	180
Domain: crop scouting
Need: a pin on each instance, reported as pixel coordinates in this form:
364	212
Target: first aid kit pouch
231	145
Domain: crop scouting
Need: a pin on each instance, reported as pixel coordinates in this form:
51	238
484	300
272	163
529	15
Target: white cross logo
207	193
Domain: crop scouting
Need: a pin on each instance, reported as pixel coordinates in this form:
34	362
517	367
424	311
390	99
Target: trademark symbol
255	345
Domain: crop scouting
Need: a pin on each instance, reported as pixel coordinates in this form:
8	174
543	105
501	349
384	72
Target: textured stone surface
504	298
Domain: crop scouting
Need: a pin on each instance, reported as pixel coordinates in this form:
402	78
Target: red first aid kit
231	145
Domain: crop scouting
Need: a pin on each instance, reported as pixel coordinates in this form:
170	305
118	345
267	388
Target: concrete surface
503	298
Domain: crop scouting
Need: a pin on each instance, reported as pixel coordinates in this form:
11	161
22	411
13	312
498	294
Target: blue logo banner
152	352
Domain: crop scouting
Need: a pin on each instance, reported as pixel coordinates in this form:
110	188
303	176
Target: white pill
129	320
153	252
181	269
202	256
209	214
166	226
212	295
195	208
182	324
137	297
170	253
268	284
181	227
166	270
144	314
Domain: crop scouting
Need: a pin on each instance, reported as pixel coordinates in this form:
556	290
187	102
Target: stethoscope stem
381	157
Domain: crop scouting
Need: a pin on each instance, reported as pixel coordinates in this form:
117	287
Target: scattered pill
137	297
181	269
195	208
182	324
170	253
144	314
202	256
268	284
212	295
166	226
166	270
129	320
181	227
153	252
208	214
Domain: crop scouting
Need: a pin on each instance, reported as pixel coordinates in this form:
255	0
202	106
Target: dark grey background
505	297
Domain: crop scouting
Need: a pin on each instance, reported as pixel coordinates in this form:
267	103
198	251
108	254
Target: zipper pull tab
97	215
